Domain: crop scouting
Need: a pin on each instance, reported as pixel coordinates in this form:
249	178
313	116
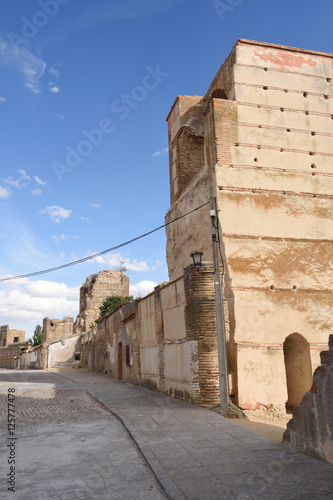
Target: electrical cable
93	256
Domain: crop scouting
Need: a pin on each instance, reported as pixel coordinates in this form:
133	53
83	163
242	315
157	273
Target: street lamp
197	258
219	308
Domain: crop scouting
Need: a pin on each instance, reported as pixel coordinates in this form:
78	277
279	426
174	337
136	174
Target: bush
111	303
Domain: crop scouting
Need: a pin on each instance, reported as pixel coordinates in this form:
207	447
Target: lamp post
220	318
219	309
197	258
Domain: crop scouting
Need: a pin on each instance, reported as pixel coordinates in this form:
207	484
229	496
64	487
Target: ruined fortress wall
56	329
165	341
11	342
189	186
311	428
94	291
4	332
274	186
10	336
14	336
267	126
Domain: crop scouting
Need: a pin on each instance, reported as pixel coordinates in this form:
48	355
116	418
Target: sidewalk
197	454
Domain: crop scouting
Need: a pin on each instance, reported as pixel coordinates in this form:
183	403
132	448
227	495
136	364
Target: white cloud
115	260
2	99
54	89
24	174
18	183
39	181
56	213
37	192
157	265
142	288
86	219
25	62
60	117
161	152
23	301
4	193
54	71
94	205
62	237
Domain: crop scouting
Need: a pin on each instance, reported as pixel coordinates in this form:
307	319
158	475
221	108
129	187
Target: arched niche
297	359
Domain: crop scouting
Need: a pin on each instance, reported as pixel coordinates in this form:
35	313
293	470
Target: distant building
11	344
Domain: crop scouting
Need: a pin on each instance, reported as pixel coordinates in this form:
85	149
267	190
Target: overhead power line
93	256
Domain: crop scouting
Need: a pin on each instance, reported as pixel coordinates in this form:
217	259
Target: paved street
68	446
78	449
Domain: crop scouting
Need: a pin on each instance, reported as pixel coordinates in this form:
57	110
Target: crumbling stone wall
101	350
57	329
311	428
10	336
11	343
94	291
265	128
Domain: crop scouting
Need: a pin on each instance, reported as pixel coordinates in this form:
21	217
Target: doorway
120	360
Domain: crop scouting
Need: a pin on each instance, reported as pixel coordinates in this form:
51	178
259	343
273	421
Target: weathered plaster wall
192	232
267	127
311	428
62	353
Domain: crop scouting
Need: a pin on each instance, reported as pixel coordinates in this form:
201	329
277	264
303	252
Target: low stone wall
311	428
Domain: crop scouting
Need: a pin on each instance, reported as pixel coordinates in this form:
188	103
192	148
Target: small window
128	356
16	339
219	94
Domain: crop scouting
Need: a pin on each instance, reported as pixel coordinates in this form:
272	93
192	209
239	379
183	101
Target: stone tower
94	291
260	143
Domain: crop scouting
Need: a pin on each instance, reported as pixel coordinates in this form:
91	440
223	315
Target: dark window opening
219	94
16	339
128	356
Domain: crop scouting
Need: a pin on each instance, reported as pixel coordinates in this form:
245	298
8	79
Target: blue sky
85	88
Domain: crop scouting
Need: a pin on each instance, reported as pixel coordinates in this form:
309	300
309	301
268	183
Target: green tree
38	336
111	303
